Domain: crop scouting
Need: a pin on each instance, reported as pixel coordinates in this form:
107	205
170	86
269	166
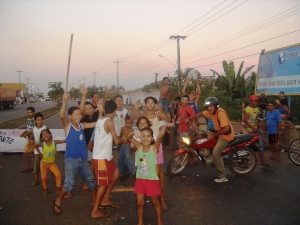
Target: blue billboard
279	70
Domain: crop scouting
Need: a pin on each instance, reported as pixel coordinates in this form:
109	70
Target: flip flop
272	158
57	207
111	206
68	195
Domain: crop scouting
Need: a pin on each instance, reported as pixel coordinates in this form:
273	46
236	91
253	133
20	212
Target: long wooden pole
70	51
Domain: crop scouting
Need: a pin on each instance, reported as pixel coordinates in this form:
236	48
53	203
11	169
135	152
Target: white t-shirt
119	120
102	141
37	133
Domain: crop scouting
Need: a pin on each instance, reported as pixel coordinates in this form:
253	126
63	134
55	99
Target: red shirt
183	113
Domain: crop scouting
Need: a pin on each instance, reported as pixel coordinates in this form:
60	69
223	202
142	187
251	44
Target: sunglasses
270	105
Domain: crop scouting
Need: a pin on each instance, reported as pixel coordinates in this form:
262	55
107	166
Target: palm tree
56	91
233	83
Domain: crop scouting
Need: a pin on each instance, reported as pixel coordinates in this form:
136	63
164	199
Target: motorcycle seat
240	138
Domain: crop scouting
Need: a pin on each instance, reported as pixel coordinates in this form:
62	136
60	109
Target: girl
147	181
154	114
48	159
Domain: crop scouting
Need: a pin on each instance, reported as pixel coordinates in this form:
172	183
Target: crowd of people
93	129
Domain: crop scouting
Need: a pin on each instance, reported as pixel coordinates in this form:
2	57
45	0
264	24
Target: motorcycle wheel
294	151
243	161
177	164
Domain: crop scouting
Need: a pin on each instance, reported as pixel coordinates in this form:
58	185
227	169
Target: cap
253	98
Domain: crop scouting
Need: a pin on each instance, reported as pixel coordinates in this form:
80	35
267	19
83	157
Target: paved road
20	110
264	197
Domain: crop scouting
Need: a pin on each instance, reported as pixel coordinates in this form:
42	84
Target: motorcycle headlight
186	141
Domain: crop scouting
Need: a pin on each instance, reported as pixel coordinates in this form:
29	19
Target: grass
21	122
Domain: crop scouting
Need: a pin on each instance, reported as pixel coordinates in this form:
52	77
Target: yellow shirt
252	118
49	153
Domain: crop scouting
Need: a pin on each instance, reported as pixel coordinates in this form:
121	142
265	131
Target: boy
164	92
35	136
121	114
193	97
104	166
29	146
124	162
76	151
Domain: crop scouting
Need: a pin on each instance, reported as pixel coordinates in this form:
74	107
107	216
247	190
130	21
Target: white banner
10	140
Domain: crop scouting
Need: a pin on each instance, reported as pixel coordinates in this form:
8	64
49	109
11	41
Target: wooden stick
70	50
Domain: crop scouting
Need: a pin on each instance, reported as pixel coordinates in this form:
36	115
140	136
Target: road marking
122	189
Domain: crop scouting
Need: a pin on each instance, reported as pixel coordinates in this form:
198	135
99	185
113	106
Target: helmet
253	98
212	101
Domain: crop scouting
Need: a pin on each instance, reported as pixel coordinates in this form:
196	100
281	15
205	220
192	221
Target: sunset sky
35	37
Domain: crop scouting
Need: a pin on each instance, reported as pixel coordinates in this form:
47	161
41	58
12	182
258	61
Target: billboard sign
279	70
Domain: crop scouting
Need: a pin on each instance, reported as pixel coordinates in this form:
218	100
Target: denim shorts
74	167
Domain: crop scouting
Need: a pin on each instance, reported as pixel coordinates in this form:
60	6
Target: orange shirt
220	119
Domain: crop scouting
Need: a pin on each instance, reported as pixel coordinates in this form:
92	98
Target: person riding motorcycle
224	132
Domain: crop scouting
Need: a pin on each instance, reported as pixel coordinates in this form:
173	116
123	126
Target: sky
35	38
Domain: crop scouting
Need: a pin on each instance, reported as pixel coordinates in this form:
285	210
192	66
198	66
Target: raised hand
137	104
65	96
83	91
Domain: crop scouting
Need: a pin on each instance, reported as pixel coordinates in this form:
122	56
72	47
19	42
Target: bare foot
98	214
35	183
164	206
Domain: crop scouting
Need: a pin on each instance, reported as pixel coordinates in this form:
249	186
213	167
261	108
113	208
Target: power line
160	44
221	42
244	47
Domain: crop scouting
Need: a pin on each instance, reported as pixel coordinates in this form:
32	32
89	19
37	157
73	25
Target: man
225	132
273	127
282	99
164	92
94	100
262	104
249	125
183	113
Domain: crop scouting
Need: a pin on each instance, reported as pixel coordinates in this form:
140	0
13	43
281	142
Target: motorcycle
238	155
294	151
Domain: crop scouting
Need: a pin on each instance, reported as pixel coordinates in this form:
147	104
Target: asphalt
262	197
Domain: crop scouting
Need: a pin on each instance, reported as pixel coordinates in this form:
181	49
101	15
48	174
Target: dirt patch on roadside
20	123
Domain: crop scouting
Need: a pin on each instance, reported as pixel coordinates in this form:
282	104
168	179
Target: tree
233	84
56	91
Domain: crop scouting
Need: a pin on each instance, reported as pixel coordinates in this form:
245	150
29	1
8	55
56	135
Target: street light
168	60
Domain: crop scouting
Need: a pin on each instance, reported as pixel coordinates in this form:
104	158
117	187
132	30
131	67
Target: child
154	113
29	146
104	165
193	96
173	108
147	181
48	159
124	161
36	131
76	154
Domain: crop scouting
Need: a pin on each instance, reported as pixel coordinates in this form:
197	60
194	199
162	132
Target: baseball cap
253	98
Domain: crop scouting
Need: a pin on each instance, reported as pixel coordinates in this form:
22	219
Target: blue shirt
76	145
273	118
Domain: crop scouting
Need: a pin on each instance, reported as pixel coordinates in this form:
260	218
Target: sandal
57	207
68	195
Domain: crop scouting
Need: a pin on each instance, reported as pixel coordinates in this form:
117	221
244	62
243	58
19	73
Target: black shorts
273	138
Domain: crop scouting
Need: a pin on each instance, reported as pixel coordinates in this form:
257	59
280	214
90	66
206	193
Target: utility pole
178	37
20	71
78	82
118	74
84	80
94	79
